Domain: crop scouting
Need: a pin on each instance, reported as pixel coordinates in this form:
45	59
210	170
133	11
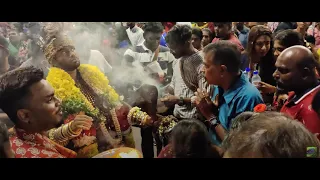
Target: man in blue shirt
233	94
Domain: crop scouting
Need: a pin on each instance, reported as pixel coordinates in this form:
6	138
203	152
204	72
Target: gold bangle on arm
65	131
56	136
72	133
59	135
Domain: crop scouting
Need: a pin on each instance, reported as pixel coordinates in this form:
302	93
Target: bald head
298	55
295	69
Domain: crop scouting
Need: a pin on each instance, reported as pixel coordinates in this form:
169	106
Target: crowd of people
194	89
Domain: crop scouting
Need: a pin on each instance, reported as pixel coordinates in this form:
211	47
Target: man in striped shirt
187	76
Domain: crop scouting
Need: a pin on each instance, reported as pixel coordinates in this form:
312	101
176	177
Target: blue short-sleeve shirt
241	97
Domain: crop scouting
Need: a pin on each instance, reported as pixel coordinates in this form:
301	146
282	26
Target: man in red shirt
295	74
30	103
224	32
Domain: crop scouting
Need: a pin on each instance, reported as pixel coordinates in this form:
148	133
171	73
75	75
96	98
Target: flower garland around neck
73	101
99	83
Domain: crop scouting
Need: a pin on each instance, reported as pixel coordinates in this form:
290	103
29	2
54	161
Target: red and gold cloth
166	152
35	145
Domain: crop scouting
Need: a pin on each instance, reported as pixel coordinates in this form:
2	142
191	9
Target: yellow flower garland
66	90
99	82
64	86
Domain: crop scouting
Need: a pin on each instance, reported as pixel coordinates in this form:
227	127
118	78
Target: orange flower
260	108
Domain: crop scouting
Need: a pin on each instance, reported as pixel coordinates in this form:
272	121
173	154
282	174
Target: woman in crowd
207	37
282	40
271	135
196	38
259	56
190	139
315	32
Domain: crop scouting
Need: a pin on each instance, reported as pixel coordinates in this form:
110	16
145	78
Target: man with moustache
295	73
234	93
30	103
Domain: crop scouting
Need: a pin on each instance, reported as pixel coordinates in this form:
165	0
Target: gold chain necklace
114	118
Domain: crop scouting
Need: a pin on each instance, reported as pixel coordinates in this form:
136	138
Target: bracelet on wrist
71	132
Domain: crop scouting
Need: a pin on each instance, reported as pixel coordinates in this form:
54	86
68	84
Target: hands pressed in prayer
205	105
81	122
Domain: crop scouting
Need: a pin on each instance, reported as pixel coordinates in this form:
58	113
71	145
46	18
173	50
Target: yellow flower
65	87
98	82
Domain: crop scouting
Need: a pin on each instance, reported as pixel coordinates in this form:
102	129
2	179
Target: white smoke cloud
92	36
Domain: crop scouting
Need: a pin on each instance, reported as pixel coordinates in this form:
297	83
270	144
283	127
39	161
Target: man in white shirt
135	34
155	60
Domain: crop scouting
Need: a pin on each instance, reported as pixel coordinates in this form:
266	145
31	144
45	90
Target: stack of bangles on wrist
137	117
63	133
166	125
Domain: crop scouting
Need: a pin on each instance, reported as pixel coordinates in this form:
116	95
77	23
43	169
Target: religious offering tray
122	152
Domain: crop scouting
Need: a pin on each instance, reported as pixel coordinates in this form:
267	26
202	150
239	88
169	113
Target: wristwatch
180	103
214	122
